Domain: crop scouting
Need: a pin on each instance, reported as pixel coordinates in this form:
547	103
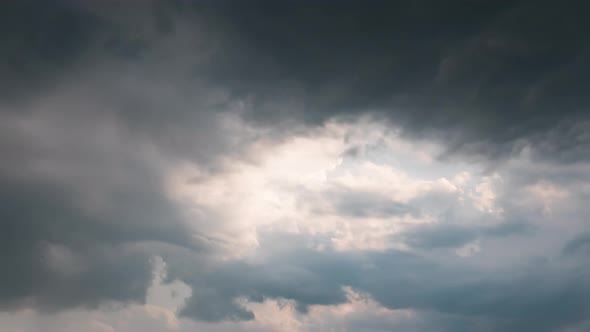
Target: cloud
399	280
455	236
453	71
450	71
409	165
578	244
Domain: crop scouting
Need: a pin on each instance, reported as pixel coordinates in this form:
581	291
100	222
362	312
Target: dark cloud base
487	76
545	296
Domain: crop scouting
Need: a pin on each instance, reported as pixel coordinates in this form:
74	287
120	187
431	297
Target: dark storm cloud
81	183
43	41
39	41
540	296
71	212
483	75
486	76
87	88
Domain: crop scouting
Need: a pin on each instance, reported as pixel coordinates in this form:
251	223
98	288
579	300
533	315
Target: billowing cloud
268	166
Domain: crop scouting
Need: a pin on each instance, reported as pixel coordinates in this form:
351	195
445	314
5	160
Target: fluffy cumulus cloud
274	166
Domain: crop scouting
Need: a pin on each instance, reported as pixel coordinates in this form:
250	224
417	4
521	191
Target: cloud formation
212	165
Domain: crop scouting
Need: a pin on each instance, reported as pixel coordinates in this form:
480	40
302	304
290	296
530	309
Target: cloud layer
268	166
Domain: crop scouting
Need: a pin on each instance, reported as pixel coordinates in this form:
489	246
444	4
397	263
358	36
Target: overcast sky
293	166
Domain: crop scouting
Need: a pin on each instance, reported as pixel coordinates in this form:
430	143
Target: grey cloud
483	76
446	235
40	42
90	95
487	77
120	68
580	244
75	200
363	204
358	203
86	131
543	296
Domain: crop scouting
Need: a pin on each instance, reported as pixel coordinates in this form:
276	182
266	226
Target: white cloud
286	187
484	195
281	315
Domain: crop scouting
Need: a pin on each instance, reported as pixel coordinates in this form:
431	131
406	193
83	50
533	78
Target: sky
293	166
